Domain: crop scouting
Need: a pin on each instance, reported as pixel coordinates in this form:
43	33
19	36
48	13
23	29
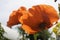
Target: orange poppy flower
34	19
13	18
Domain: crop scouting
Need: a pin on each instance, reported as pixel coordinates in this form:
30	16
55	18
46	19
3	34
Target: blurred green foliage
56	29
1	34
43	35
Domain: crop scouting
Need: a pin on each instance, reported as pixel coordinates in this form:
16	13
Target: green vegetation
1	34
56	29
43	35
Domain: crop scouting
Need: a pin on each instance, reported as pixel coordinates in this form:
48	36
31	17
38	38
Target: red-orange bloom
34	19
